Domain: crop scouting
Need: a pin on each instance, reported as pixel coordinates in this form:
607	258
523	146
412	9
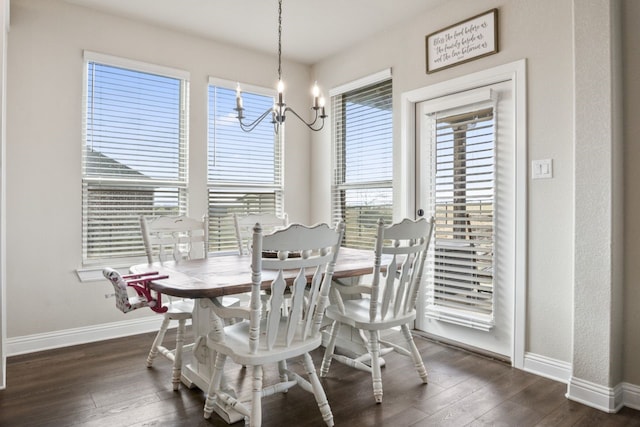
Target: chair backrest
403	248
244	227
297	251
178	237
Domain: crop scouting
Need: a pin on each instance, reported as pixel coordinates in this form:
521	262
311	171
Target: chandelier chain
279	40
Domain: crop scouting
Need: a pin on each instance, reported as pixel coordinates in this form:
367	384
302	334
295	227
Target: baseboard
68	337
631	395
594	395
597	396
546	367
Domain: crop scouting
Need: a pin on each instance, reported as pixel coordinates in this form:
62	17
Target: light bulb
238	97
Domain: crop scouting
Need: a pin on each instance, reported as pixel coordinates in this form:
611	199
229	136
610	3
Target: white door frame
516	72
4	29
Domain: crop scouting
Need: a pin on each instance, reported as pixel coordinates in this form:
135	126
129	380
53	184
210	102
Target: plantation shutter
460	278
363	157
134	152
244	168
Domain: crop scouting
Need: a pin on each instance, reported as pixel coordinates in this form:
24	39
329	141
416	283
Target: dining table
208	280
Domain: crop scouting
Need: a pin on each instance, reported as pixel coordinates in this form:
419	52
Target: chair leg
177	359
415	354
214	384
256	398
157	342
318	391
376	375
282	370
328	352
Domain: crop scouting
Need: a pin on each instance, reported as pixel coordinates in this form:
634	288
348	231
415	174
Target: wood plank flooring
107	384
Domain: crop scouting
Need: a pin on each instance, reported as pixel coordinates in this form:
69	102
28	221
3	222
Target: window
460	281
363	159
134	153
244	169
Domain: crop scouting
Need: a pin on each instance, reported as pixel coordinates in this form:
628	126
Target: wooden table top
230	274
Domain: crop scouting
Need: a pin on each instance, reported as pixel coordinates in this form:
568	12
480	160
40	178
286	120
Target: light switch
542	169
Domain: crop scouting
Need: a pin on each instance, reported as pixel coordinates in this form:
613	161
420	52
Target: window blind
363	161
244	169
134	156
222	206
460	279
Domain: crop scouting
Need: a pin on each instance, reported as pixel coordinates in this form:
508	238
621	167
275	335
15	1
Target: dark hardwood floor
107	384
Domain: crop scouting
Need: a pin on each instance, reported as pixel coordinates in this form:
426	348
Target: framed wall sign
462	42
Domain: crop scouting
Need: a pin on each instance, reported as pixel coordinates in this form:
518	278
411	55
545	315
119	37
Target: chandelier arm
309	124
318	128
251	126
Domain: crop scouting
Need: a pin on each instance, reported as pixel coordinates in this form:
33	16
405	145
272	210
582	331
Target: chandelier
280	109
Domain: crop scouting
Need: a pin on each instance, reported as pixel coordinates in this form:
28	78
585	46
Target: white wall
44	103
541	32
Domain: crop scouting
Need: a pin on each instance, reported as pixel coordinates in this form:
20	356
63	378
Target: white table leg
199	371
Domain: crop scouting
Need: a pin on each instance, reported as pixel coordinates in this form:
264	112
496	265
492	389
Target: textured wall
597	325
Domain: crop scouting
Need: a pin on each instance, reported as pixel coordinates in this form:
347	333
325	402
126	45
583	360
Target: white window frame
338	185
118	184
223	225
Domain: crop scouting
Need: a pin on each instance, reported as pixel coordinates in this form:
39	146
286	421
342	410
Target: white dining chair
174	238
388	302
283	333
244	233
244	227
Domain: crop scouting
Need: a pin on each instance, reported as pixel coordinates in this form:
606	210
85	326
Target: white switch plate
542	169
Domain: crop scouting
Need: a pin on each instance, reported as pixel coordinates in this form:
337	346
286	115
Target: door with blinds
466	180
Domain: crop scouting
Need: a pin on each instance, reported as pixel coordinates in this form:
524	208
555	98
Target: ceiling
311	30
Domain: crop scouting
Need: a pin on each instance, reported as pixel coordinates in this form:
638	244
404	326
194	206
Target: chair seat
356	314
182	309
236	345
179	309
